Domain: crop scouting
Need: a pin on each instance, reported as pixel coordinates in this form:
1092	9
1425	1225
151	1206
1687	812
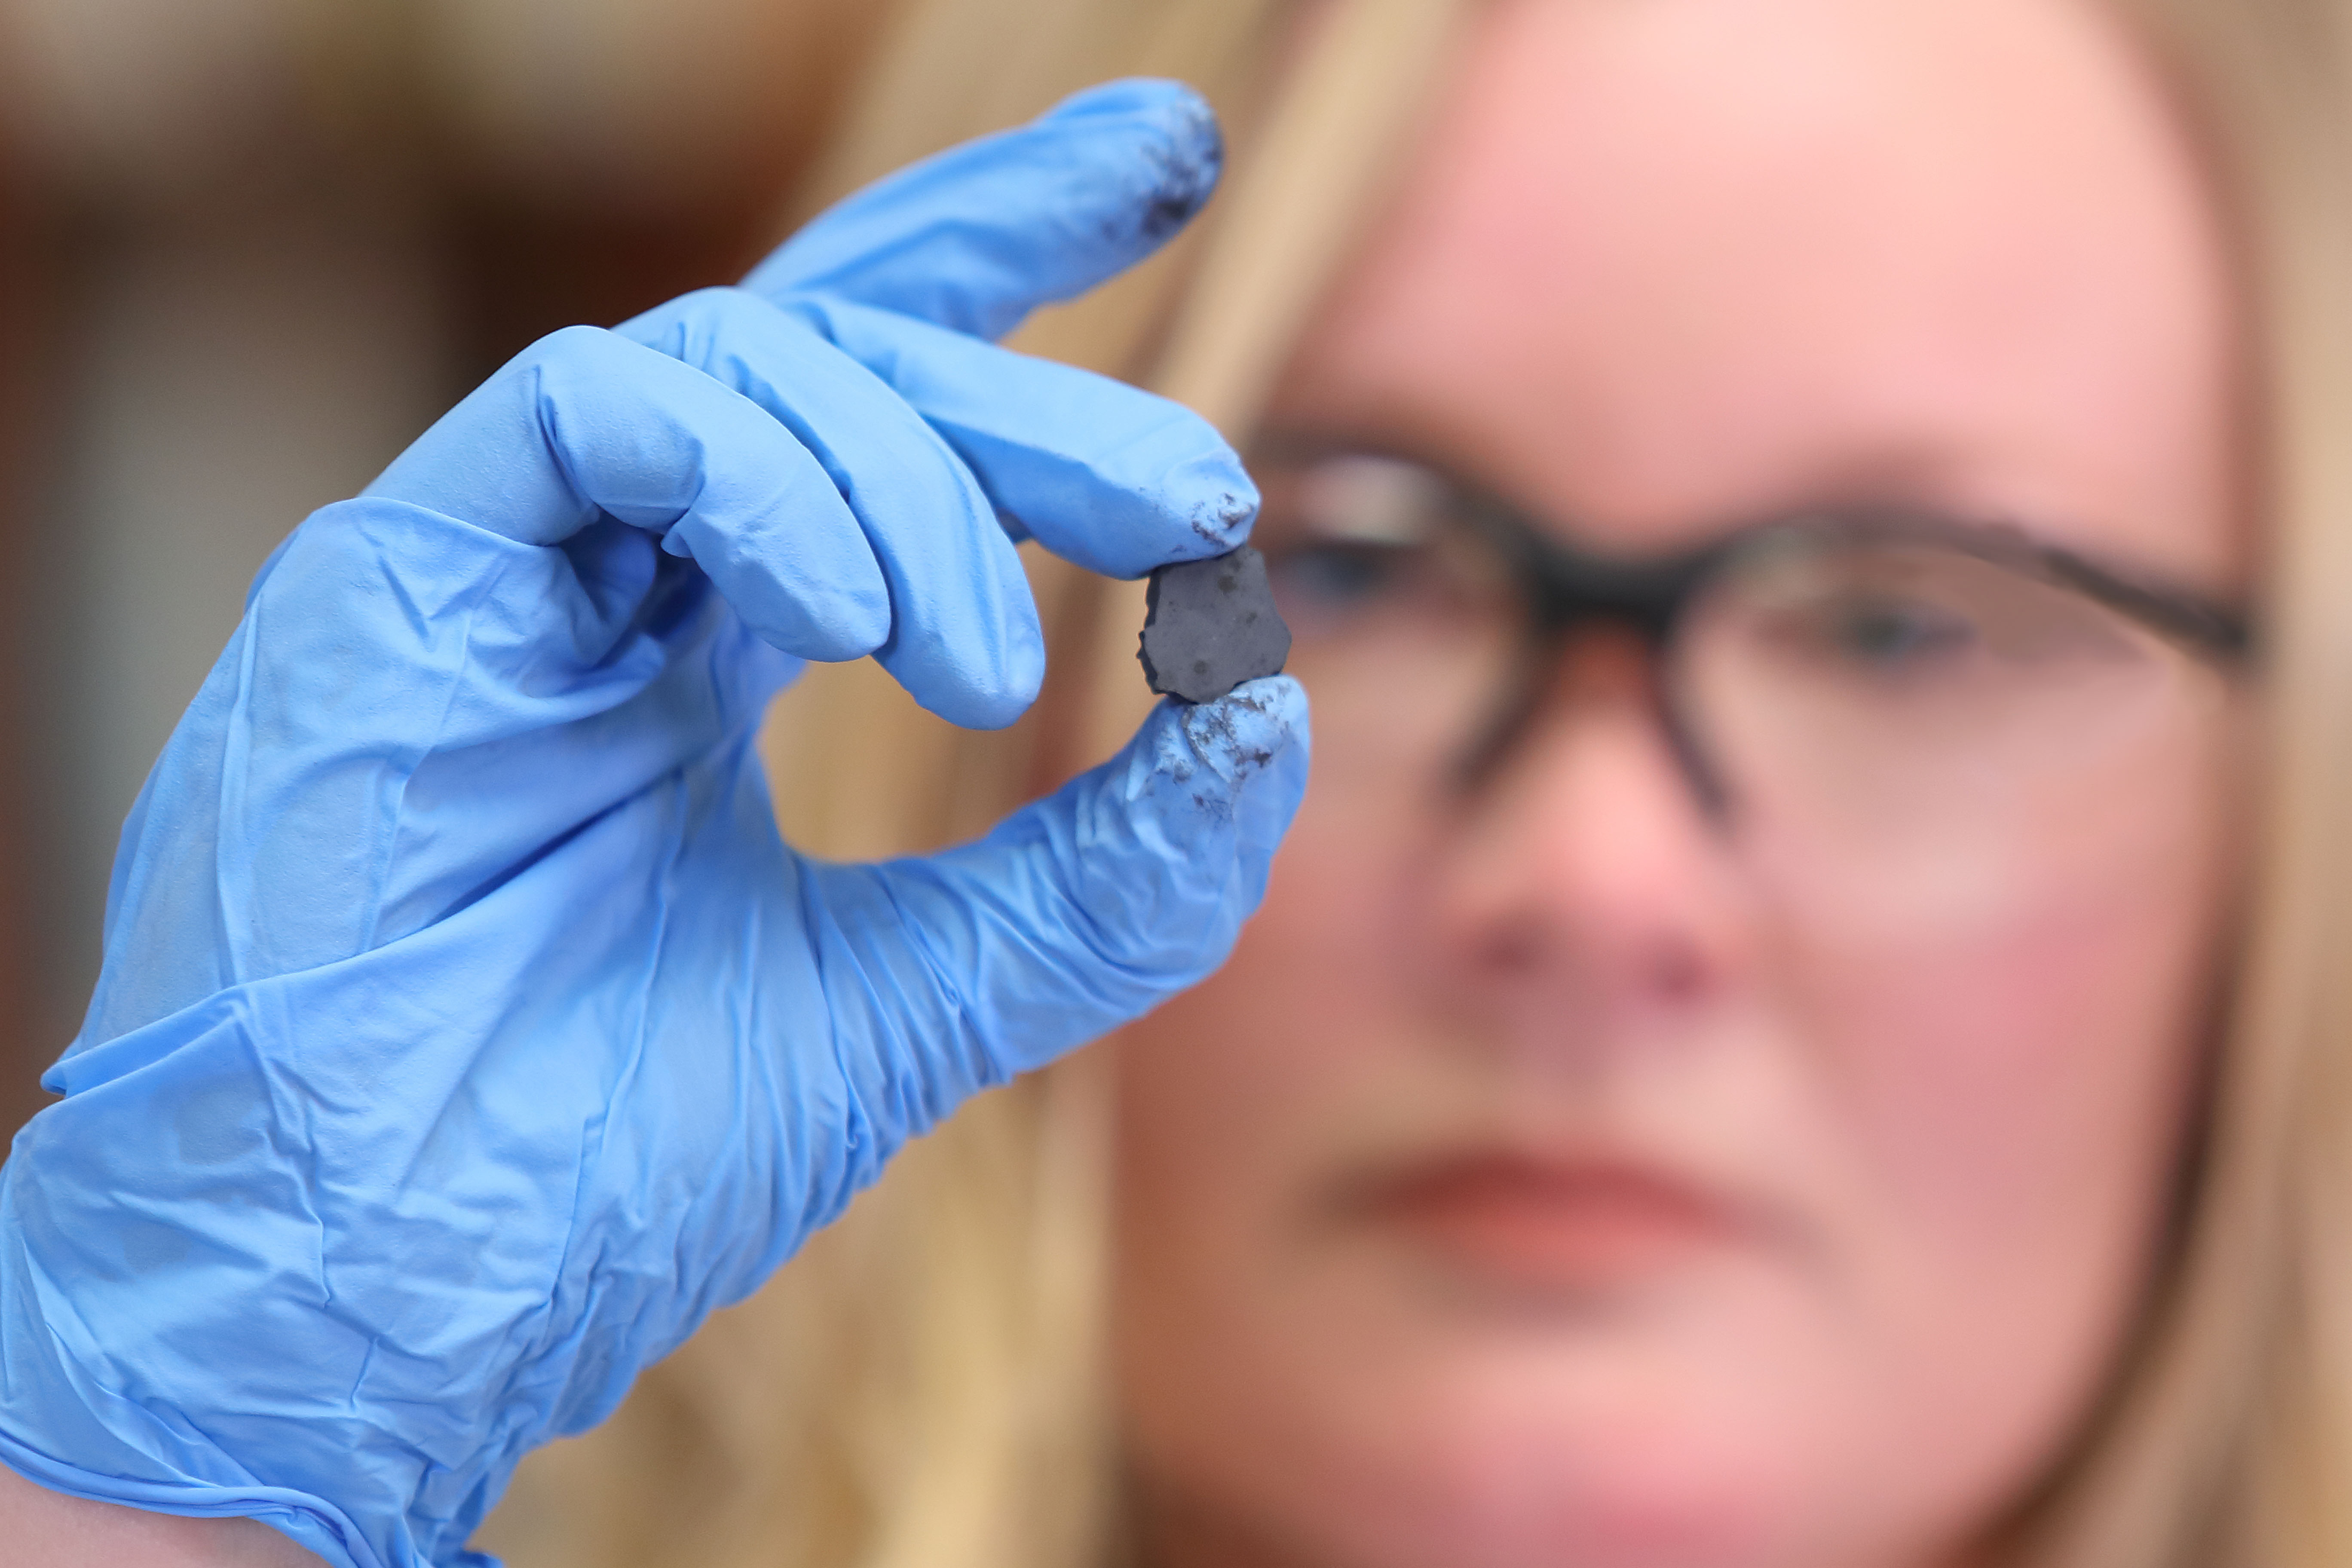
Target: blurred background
248	249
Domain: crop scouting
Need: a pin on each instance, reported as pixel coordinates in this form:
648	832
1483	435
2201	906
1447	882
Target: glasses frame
1566	590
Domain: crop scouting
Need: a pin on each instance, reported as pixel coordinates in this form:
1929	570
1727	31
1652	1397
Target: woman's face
1561	1175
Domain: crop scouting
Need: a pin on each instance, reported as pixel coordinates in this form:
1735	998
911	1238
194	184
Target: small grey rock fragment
1212	624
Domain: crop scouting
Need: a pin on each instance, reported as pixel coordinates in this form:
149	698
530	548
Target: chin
1686	1422
1633	1464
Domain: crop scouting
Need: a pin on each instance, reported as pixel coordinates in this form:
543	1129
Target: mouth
1554	1226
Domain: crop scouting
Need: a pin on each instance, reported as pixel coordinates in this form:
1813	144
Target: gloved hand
466	1032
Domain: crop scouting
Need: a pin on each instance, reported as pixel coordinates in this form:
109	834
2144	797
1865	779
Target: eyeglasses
1863	682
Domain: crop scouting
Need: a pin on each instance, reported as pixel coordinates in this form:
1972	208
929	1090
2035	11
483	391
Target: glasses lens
1405	621
1906	702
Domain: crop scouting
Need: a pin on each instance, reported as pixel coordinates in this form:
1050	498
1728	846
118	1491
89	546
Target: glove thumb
1078	913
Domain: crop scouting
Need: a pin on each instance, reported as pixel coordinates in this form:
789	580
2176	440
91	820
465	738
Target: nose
1585	897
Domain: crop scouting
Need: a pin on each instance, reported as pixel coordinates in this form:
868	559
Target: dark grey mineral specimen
1211	625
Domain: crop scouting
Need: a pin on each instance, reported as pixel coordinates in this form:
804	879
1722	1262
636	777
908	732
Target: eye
1888	634
1878	636
1333	581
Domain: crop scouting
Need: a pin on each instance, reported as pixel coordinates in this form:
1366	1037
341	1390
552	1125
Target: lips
1570	1225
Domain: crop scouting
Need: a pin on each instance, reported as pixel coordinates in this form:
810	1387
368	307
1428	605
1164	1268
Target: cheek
1236	1101
2015	1077
1232	1093
2016	1062
2001	1096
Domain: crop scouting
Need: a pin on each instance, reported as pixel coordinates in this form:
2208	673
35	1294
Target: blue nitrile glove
467	1033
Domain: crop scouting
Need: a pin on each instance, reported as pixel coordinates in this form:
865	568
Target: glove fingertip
1223	503
1176	836
1250	730
976	683
1192	150
1215	785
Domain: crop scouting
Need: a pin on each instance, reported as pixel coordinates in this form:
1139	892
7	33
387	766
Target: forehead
1660	265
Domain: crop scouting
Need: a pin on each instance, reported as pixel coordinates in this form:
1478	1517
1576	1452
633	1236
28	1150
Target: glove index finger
977	237
1101	473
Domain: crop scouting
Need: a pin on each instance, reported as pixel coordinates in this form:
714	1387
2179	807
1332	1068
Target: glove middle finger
964	637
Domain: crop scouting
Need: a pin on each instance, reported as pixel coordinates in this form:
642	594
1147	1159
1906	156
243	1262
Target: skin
1830	1204
60	1531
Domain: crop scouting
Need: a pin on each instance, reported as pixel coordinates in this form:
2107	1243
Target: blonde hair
922	1387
